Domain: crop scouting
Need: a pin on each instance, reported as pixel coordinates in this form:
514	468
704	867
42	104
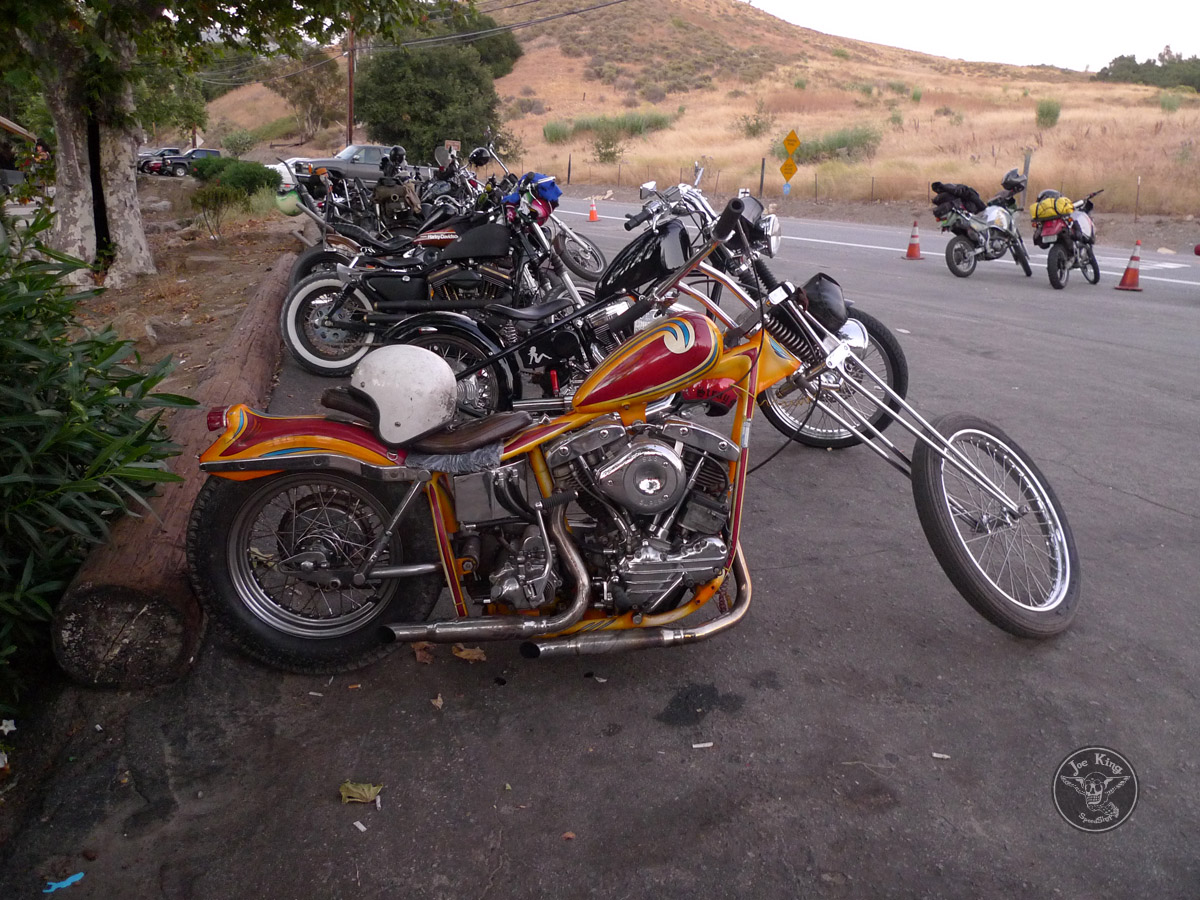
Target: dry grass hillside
732	80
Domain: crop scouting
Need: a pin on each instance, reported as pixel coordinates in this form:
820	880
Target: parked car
179	165
289	172
145	157
355	161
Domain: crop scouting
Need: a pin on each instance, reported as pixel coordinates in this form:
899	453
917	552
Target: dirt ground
202	285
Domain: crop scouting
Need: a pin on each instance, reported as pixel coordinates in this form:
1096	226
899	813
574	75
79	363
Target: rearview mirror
648	190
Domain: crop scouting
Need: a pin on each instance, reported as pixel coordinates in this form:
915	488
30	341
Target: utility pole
350	93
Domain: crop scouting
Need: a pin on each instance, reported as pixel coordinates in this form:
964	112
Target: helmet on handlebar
480	156
1013	181
825	301
397	155
412	389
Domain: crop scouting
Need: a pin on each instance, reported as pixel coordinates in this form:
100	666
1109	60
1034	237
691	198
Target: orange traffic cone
592	217
914	244
1129	281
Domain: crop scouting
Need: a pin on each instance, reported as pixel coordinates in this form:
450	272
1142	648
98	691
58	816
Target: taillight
216	420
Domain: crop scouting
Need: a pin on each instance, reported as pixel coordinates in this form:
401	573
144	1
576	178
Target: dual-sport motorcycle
319	541
1067	229
981	230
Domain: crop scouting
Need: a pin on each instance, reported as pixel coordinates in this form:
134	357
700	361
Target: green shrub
652	93
855	142
841	53
897	87
556	132
238	142
214	201
916	95
631	124
607	146
1047	113
285	126
80	442
757	123
895	119
210	167
800	84
248	176
1168	102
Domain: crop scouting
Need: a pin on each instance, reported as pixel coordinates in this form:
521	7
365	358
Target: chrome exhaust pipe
500	628
642	638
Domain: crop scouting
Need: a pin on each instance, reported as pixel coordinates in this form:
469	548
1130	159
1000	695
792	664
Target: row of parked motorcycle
988	230
570	459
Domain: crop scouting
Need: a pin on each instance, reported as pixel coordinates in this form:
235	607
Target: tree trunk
118	175
74	222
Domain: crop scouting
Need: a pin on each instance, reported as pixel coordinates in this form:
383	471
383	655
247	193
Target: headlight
773	231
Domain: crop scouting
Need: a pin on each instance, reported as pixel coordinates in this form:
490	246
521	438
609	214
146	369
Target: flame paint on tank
652	364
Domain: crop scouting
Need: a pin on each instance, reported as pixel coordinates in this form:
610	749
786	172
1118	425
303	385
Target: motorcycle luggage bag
969	197
1052	208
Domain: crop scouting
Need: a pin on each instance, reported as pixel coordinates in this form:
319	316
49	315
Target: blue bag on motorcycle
543	187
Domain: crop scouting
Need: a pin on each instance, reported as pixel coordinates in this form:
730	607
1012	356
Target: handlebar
729	219
633	220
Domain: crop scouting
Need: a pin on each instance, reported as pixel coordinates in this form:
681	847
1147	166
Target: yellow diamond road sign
788	169
791	142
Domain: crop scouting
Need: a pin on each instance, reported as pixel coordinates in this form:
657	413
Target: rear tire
479	396
883	355
179	170
316	260
1059	266
960	256
241	534
324	349
1020	573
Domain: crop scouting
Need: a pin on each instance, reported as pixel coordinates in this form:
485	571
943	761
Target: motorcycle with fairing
320	542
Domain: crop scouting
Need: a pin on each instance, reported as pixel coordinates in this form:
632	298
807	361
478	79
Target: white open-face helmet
413	389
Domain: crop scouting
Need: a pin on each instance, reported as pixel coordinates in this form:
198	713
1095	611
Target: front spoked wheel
793	415
960	256
580	254
1091	268
1021	255
273	560
1020	570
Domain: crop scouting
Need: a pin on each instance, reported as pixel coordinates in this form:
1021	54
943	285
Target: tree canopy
1168	71
420	98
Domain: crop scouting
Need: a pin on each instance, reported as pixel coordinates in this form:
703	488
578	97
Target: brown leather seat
462	439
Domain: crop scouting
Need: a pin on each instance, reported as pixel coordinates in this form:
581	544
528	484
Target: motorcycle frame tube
445	322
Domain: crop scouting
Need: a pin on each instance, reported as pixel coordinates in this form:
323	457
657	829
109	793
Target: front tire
179	171
882	355
1091	268
309	323
960	256
1021	572
1059	266
246	539
580	255
1021	255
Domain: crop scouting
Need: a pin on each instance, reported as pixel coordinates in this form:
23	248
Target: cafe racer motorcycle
320	541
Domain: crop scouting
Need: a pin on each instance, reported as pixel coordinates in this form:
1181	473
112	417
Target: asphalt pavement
863	732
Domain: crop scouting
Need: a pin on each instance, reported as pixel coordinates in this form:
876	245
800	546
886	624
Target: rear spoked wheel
1020	571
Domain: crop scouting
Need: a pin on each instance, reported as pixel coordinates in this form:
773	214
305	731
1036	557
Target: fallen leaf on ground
353	792
568	835
423	651
437	701
470	654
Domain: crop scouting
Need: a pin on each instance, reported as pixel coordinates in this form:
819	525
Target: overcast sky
1070	35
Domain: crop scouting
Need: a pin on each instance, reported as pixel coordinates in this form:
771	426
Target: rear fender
465	327
254	444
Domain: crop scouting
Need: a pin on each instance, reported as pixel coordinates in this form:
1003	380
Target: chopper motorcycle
981	231
1067	229
322	542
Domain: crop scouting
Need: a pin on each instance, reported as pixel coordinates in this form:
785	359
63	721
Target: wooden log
129	617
